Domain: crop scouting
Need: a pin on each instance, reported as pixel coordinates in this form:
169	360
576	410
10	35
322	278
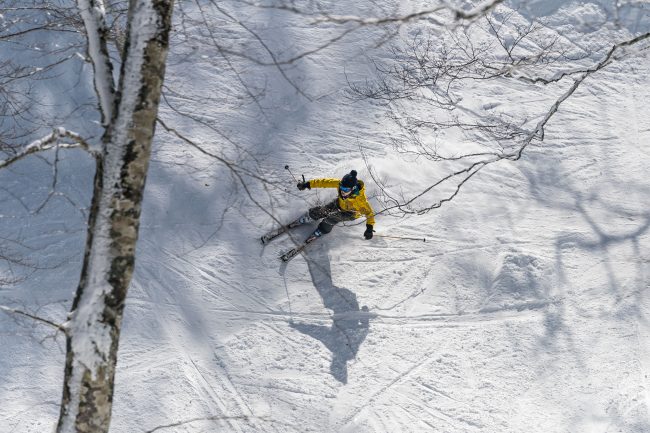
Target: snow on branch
94	18
51	141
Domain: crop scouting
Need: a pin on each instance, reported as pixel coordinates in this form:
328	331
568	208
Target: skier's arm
366	210
324	183
319	183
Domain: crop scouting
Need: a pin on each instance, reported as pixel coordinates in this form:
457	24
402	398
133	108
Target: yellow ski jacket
358	204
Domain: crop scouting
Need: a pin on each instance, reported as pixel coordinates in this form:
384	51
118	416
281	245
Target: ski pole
286	167
403	237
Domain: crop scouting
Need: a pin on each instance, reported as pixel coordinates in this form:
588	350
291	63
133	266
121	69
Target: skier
350	204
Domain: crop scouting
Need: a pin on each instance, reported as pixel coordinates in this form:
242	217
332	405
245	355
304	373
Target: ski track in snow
192	371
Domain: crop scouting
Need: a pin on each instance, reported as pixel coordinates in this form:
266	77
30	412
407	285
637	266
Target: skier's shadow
350	323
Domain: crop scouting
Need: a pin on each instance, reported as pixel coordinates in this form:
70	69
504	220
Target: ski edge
269	236
286	257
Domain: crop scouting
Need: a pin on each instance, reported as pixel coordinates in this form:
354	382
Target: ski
283	229
292	253
277	232
274	234
295	251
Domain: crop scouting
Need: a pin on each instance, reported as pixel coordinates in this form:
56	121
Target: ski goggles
345	188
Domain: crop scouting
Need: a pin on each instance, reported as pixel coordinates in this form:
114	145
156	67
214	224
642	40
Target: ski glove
368	233
303	185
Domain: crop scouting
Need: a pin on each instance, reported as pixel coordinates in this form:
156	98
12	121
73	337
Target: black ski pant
332	215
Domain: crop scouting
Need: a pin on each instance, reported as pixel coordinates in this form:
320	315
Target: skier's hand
368	233
303	185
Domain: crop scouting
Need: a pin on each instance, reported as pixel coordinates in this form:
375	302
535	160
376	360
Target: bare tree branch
10	310
270	52
357	22
538	132
237	171
427	75
458	14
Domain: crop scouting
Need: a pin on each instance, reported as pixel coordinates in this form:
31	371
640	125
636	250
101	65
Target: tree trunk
94	325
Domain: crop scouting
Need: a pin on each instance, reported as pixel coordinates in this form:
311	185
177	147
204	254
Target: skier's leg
316	213
319	212
326	225
334	218
303	219
315	235
331	214
311	215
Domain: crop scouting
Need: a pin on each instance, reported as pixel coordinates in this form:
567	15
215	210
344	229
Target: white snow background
526	309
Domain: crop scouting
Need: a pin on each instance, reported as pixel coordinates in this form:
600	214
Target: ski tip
288	255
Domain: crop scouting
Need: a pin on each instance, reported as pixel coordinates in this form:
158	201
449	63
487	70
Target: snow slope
526	309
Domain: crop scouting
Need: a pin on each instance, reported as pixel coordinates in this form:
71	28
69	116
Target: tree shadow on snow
350	324
605	224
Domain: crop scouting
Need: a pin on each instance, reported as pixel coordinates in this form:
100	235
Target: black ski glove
368	233
303	185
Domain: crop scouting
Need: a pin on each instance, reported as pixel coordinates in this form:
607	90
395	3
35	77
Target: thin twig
10	310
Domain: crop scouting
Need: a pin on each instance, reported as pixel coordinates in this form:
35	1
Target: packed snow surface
526	310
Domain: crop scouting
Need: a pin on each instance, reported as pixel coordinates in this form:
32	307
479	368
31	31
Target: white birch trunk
93	15
94	324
